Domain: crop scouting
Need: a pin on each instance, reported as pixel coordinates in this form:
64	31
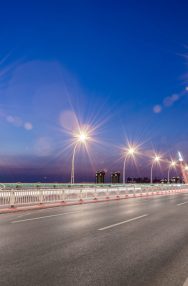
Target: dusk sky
119	67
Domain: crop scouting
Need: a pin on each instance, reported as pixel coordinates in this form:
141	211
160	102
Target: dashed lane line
182	203
123	222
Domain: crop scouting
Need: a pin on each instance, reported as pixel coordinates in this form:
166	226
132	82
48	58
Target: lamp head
82	137
156	158
131	151
173	163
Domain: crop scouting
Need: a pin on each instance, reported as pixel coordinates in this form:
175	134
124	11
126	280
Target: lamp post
81	138
130	152
171	165
155	160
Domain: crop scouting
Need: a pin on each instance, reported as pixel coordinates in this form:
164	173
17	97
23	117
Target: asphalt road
141	241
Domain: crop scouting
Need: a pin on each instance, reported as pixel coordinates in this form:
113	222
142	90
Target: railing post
126	195
85	194
107	193
40	196
152	190
141	192
62	196
157	191
81	196
127	191
117	196
95	194
162	192
134	191
147	191
12	198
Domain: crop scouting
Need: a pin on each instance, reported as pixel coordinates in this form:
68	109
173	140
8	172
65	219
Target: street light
130	152
81	138
156	159
186	168
171	165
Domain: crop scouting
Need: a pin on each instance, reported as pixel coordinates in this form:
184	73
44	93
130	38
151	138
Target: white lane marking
186	282
122	222
182	203
43	217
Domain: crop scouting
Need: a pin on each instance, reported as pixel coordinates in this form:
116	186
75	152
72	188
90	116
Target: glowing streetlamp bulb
82	137
131	151
186	168
157	159
173	164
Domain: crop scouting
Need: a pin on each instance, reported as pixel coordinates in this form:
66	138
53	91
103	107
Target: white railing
34	196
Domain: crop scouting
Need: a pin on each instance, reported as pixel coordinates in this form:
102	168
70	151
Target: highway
130	242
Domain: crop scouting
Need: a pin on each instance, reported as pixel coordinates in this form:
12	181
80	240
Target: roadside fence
80	193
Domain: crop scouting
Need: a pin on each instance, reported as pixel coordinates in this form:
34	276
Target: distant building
100	175
131	180
139	180
176	180
164	181
173	180
145	180
115	178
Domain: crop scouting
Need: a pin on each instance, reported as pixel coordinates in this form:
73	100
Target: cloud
169	101
15	120
28	125
157	108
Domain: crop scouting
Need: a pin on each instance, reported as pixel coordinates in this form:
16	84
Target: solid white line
186	282
182	203
122	222
43	217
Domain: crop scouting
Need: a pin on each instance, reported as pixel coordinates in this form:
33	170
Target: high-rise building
100	177
115	178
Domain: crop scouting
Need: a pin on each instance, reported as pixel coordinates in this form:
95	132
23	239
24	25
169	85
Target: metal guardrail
64	193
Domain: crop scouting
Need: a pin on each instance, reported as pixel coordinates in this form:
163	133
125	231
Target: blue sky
117	65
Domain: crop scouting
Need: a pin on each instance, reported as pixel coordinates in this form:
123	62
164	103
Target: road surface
141	241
